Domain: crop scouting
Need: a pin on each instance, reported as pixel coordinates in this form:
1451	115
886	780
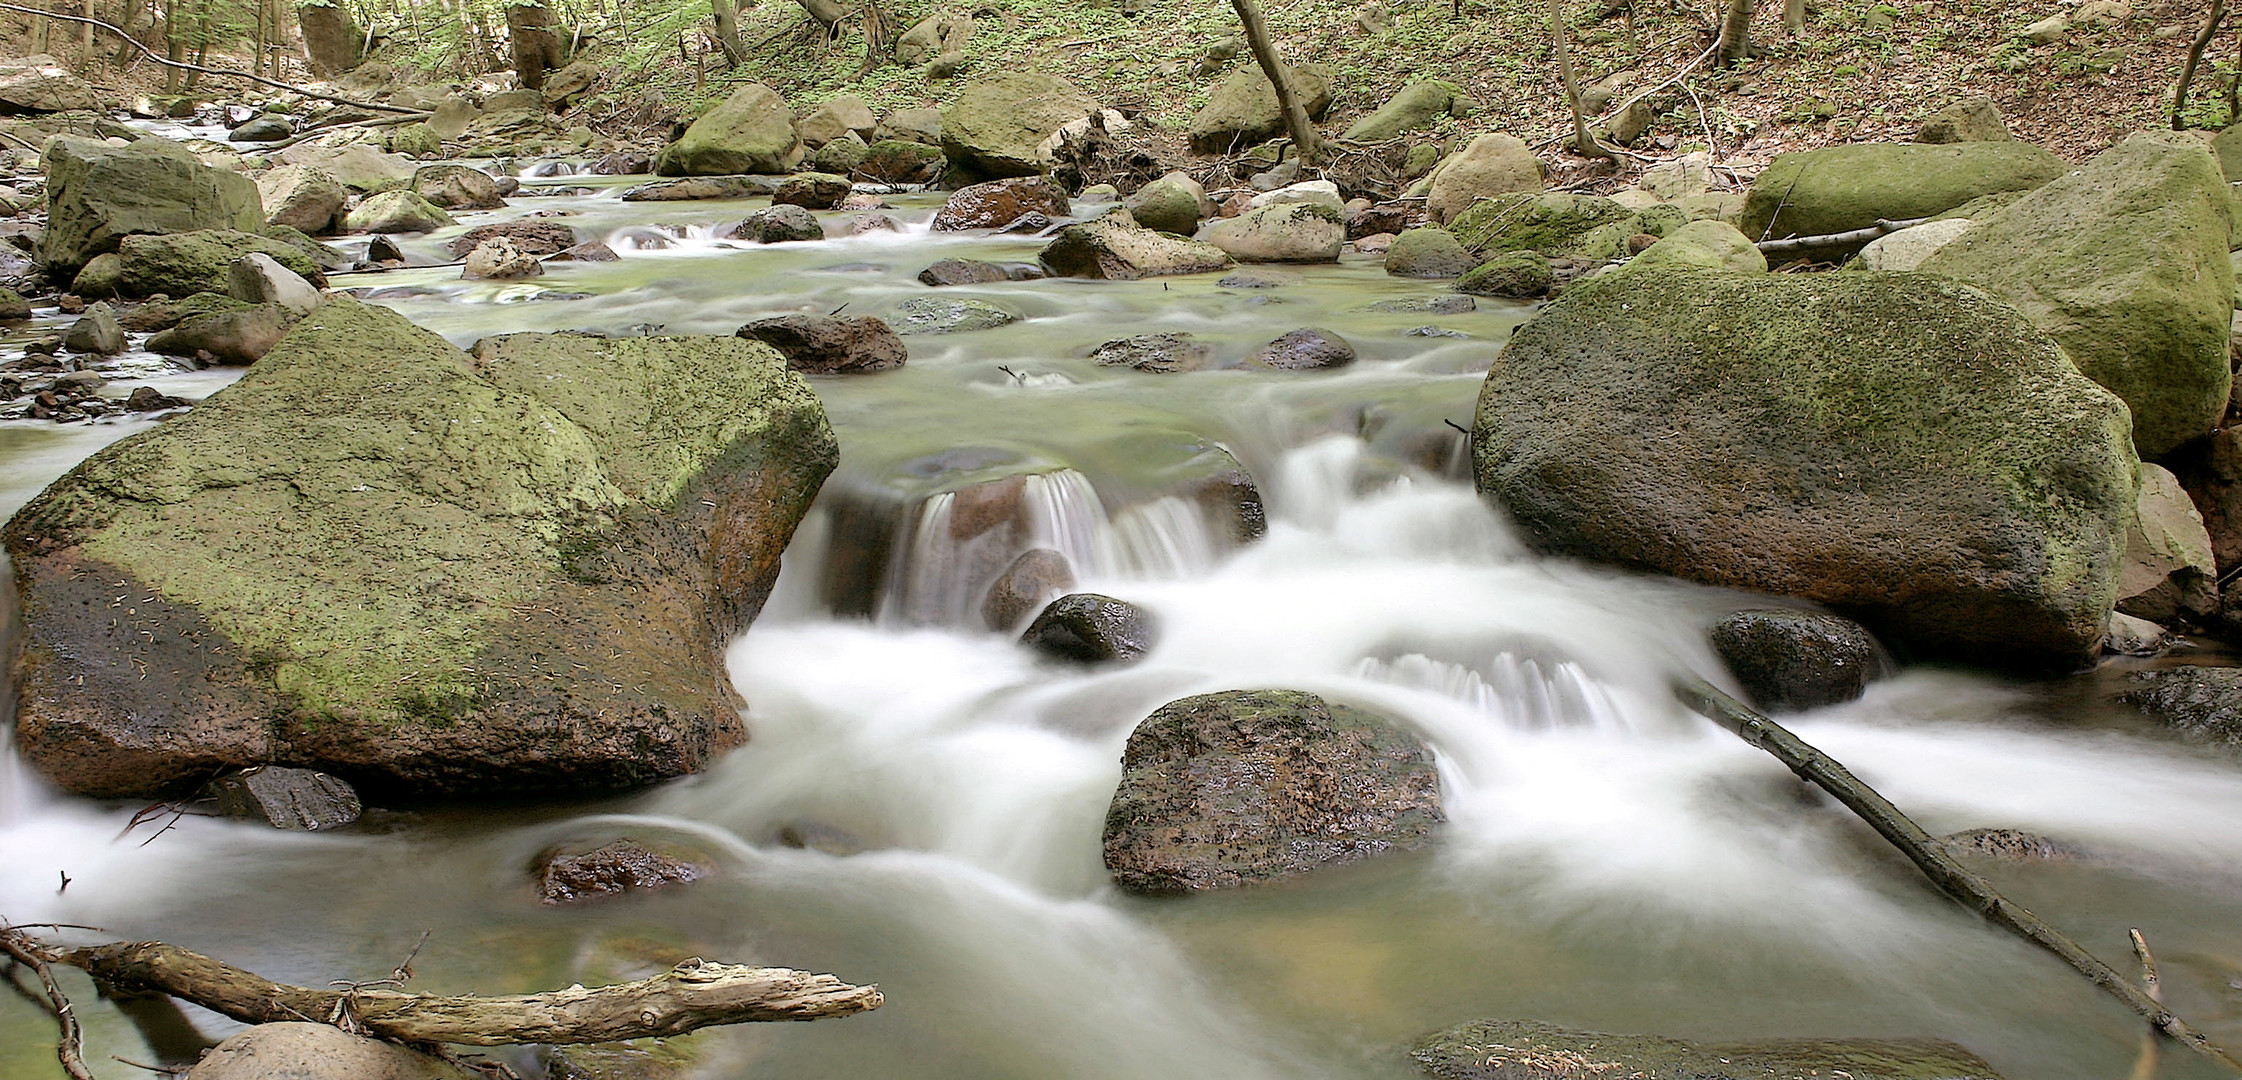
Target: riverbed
1610	862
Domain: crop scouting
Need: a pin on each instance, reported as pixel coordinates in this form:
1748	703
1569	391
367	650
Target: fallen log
694	994
1931	857
1862	235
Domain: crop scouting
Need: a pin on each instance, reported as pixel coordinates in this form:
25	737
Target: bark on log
1288	103
694	994
1931	857
1882	227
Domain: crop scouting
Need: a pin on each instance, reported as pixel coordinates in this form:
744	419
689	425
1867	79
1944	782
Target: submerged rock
944	315
285	798
1091	629
2008	845
1250	786
1790	660
1116	250
1305	349
426	573
306	1051
1159	354
1669	420
1530	1050
2205	702
620	867
779	224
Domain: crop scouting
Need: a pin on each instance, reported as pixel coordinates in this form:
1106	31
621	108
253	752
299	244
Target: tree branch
1931	857
184	66
2195	57
69	1049
1883	227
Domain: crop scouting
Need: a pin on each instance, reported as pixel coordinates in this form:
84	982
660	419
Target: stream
1610	862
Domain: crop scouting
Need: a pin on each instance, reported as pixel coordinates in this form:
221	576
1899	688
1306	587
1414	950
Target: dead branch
69	1049
1791	244
694	994
1932	858
2145	1066
2195	57
184	66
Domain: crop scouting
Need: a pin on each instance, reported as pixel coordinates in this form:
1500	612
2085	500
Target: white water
1608	862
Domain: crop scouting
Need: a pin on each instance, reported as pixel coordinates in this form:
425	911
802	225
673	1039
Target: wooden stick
694	994
2144	1066
69	1049
1790	244
1932	858
184	66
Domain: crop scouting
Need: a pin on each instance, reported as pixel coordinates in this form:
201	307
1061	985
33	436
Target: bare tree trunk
2195	57
1584	141
879	37
39	34
1735	42
1288	103
536	41
1794	16
85	36
728	32
827	13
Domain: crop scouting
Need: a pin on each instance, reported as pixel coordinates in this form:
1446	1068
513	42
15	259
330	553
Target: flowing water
1610	862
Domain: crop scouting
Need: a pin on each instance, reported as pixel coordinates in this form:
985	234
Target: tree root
1932	858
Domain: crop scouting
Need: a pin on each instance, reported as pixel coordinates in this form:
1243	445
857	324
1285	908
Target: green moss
1547	222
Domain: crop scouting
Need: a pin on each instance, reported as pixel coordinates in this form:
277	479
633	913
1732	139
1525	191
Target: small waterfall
1063	513
1524	692
548	168
1165	538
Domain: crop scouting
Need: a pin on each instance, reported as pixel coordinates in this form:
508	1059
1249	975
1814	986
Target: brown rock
620	867
528	237
830	344
998	203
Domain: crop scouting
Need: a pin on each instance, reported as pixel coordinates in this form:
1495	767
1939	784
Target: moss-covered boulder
1413	107
1538	1051
457	187
1117	250
1428	252
900	161
1550	222
99	194
1242	109
1901	448
421	572
1842	188
751	132
1281	232
191	262
2125	262
1174	203
400	211
1488	166
1703	245
997	127
1248	786
1516	275
303	197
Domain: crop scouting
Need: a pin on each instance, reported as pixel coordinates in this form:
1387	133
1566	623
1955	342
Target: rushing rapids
921	800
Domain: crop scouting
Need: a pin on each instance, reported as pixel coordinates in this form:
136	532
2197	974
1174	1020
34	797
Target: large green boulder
997	127
1842	188
1899	447
361	167
1489	165
1242	109
2125	262
200	261
1702	245
427	573
1414	107
99	194
1550	222
1251	786
751	132
1536	1051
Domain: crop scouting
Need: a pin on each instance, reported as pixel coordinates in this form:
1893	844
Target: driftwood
184	66
1790	244
1932	858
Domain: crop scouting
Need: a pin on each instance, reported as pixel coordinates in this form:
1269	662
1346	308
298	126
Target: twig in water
69	1049
60	889
157	1069
404	971
1457	426
2144	1066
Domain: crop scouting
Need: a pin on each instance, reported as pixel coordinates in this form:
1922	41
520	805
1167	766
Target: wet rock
1038	575
702	187
595	252
96	332
943	315
2123	260
1120	251
397	670
2203	702
999	203
1841	188
811	191
830	344
752	131
999	127
1515	275
819	836
263	129
303	197
1489	165
962	272
1244	787
846	114
1530	1050
203	261
257	278
1791	661
894	161
779	225
1089	628
1157	353
1305	349
98	195
150	399
529	237
241	336
839	157
497	259
13	305
457	187
2008	845
306	1051
285	798
1437	305
1032	223
163	315
2128	636
396	212
620	867
1297	231
383	251
860	224
1973	514
1387	217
